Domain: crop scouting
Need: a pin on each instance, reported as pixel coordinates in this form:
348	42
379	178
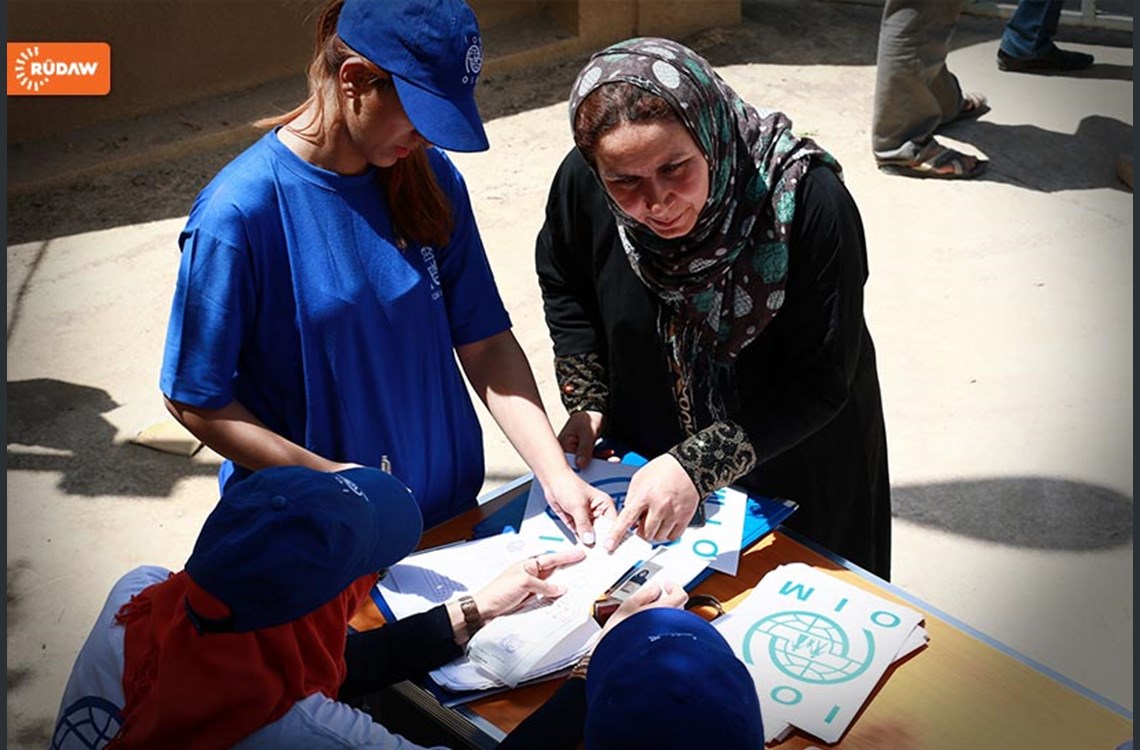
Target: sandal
973	106
938	162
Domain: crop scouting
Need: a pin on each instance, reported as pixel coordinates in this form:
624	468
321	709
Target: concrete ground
1001	309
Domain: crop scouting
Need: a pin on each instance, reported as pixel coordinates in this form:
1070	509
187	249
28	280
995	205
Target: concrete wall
163	53
170	52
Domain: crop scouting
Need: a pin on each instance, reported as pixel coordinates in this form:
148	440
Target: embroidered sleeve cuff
582	382
716	456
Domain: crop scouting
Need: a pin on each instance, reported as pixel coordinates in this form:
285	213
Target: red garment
205	691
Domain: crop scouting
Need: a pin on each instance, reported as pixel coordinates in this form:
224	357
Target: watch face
472	620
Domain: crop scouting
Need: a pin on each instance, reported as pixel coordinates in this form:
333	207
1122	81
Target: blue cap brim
398	522
448	124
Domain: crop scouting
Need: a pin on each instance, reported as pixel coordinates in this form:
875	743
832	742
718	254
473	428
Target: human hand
522	579
655	594
660	501
579	434
578	503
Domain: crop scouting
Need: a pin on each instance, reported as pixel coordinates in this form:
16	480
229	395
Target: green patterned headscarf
724	281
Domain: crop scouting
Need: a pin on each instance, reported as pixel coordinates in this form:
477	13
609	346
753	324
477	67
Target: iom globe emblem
473	60
89	722
808	647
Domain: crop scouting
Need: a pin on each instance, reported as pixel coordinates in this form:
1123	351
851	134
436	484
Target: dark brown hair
420	210
611	104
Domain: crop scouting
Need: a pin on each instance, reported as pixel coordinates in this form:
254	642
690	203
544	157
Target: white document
463	674
509	647
541	523
425	579
816	646
543	637
717	543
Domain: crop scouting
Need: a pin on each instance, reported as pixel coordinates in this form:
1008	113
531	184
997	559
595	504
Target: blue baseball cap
434	53
665	678
286	540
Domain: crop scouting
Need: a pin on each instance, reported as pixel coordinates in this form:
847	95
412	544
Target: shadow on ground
1027	512
1031	157
59	427
34	732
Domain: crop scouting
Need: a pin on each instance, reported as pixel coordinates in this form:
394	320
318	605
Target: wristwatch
472	620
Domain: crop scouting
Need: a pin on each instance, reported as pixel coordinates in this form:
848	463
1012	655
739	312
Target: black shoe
1055	59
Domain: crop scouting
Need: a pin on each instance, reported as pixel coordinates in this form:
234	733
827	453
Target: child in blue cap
247	647
332	275
660	677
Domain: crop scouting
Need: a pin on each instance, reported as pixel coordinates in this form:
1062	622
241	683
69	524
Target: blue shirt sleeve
212	312
475	309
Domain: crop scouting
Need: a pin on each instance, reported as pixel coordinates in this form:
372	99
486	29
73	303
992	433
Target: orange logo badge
59	68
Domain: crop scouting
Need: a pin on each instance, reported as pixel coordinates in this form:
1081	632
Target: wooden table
963	690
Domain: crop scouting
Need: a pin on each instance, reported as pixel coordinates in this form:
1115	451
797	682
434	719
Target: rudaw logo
59	68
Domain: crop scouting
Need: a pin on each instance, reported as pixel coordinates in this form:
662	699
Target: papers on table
425	579
717	543
546	637
541	524
464	675
508	648
541	638
816	647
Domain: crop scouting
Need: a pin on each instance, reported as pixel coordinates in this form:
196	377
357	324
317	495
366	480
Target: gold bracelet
472	619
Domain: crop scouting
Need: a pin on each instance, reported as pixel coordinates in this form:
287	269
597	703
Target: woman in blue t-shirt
332	274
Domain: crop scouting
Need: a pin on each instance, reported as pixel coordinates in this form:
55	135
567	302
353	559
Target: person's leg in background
1027	43
915	93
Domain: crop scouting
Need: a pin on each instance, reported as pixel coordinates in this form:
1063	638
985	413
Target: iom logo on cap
350	486
473	60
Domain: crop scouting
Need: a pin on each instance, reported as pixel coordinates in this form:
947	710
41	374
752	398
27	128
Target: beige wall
170	52
163	53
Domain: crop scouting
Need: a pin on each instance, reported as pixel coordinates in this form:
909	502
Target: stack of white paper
542	637
509	647
547	636
816	647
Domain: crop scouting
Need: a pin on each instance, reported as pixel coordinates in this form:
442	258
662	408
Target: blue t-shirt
294	299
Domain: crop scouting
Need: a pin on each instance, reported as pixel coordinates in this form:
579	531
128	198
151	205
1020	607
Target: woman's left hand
522	579
660	501
578	503
579	434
